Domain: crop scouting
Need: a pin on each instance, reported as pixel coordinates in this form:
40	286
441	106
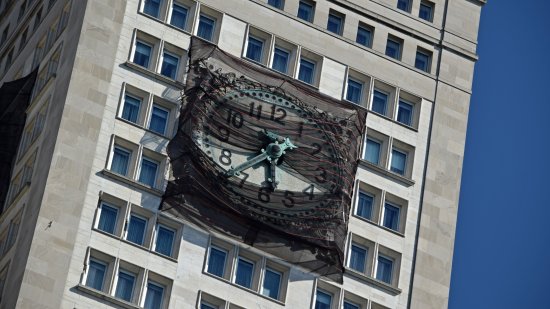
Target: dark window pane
384	270
136	230
169	65
159	118
272	282
121	158
364	205
206	28
425	11
404	113
372	153
153	298
216	262
280	60
130	111
379	102
165	241
403	5
244	274
350	305
96	275
179	16
422	61
307	71
322	300
142	54
125	286
152	7
148	172
398	162
393	49
391	217
107	219
254	49
276	3
364	36
357	258
354	91
305	11
334	24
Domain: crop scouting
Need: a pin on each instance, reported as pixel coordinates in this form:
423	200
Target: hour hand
234	171
273	174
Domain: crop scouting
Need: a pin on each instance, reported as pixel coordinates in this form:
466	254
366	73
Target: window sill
175	260
379	226
245	289
172	82
143	128
382	285
109	298
404	180
132	182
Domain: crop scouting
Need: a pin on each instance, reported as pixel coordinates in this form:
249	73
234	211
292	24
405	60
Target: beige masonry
48	263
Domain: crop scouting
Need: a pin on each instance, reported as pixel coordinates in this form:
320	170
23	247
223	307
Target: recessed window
379	102
398	161
152	7
280	60
354	92
349	305
136	229
393	48
178	16
96	274
245	271
165	240
307	71
384	269
323	300
130	110
142	54
364	35
405	112
335	22
107	218
125	285
121	160
372	151
205	305
216	261
426	10
254	49
391	216
404	5
306	10
272	283
159	119
148	171
276	3
154	296
170	63
364	205
358	258
423	60
206	28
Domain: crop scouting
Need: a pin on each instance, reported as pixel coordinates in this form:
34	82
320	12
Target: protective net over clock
265	160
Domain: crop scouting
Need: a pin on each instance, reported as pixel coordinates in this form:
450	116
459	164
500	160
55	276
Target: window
121	160
323	300
393	48
307	71
404	5
245	271
206	28
216	261
272	283
364	205
423	60
254	49
170	64
384	270
358	258
372	152
306	10
159	119
276	3
165	240
349	305
148	172
354	91
107	218
136	229
335	22
179	16
142	54
154	296
391	216
130	111
398	161
205	305
96	274
405	113
379	102
125	285
280	60
426	11
364	35
152	7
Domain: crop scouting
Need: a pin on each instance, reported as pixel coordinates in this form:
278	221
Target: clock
269	163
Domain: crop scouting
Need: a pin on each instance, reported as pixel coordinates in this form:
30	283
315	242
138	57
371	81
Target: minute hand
241	167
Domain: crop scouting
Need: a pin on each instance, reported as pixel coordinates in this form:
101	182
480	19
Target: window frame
408	5
426	4
366	28
279	5
405	167
310	5
428	60
341	20
165	52
399	50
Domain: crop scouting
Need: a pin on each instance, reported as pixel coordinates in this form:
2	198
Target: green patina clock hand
234	171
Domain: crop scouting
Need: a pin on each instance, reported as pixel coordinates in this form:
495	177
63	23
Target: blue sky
502	248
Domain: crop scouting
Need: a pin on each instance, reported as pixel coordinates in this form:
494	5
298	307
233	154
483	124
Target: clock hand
234	171
273	174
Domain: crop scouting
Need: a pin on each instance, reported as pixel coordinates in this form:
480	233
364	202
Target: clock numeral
225	157
317	147
323	177
236	118
263	195
309	191
241	184
288	201
278	119
258	114
224	133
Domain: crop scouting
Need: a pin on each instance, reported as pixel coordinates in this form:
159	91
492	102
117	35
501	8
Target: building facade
80	227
